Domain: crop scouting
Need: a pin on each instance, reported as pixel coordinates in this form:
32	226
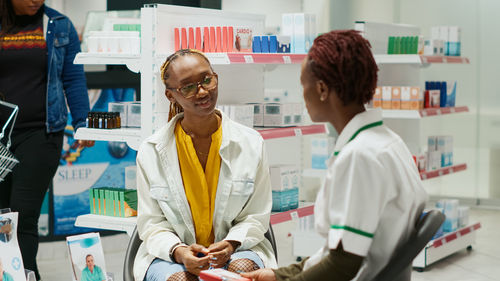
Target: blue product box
280	201
273	44
256	44
451	93
443	96
264	44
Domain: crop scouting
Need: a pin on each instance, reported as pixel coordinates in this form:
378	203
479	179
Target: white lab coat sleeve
359	188
154	229
252	222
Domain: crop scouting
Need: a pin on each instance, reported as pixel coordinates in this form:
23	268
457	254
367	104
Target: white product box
278	114
445	147
287	29
297	114
432	143
134	114
258	114
284	43
421	162
444	36
454	41
386	97
321	149
241	113
285	183
242	39
433	160
451	213
463	216
114	42
312	30
130	177
434	47
405	97
280	179
121	108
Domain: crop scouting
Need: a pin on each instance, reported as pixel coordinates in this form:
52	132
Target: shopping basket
7	158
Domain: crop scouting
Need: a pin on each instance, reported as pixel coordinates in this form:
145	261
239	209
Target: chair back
135	242
399	266
132	248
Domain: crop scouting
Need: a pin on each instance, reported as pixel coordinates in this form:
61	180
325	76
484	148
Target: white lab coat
372	194
242	205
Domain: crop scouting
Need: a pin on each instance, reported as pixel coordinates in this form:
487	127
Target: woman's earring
322	98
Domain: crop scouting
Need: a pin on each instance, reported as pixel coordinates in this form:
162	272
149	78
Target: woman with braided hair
372	195
204	192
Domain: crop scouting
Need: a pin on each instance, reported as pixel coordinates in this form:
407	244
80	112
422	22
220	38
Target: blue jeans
160	270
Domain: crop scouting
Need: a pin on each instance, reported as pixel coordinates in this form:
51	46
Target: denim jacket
63	77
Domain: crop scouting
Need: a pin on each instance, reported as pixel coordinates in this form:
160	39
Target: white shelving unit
446	245
404	70
107	222
132	136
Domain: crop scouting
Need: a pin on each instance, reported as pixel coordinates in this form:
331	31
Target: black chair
399	266
135	242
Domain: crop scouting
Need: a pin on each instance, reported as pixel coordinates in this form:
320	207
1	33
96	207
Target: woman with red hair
372	195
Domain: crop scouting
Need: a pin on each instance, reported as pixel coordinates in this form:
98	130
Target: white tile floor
480	264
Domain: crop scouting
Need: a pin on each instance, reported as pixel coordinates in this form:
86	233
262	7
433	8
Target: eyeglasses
208	83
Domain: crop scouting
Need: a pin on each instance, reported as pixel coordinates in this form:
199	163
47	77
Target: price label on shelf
294	215
438	112
287	59
298	132
452	109
440	172
248	58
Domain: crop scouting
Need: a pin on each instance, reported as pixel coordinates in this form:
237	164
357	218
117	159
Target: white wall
77	10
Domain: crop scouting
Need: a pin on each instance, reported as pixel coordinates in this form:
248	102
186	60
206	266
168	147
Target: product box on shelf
321	149
433	160
395	97
451	93
241	113
445	147
285	187
434	47
242	39
114	42
432	99
301	28
283	44
450	207
258	114
463	216
121	108
377	97
454	41
386	97
134	114
112	201
416	99
279	114
405	97
421	162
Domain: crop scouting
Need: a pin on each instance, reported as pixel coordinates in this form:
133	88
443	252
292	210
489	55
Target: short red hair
344	61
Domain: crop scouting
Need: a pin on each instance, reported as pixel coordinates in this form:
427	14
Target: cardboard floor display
87	257
11	261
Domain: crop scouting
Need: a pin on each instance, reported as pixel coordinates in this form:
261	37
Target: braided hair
344	61
175	108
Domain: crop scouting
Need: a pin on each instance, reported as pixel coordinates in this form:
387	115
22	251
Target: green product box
103	202
397	45
415	45
403	49
106	200
390	47
130	202
116	203
91	201
97	201
122	205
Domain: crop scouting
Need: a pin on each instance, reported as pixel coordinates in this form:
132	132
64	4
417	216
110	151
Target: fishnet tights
182	276
242	265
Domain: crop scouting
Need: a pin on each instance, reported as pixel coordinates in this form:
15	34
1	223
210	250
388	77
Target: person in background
4	276
37	48
372	195
203	183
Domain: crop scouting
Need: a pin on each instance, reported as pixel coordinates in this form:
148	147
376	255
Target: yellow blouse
200	186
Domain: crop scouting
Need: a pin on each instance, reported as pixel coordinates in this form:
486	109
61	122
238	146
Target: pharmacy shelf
247	58
417	114
446	245
132	136
418	59
304	210
107	222
274	133
133	62
314	173
443	171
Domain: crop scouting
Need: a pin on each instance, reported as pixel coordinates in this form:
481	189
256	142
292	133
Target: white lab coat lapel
225	179
169	159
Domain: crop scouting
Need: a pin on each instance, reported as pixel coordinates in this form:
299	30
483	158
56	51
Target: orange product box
415	98
386	97
377	97
396	98
405	97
